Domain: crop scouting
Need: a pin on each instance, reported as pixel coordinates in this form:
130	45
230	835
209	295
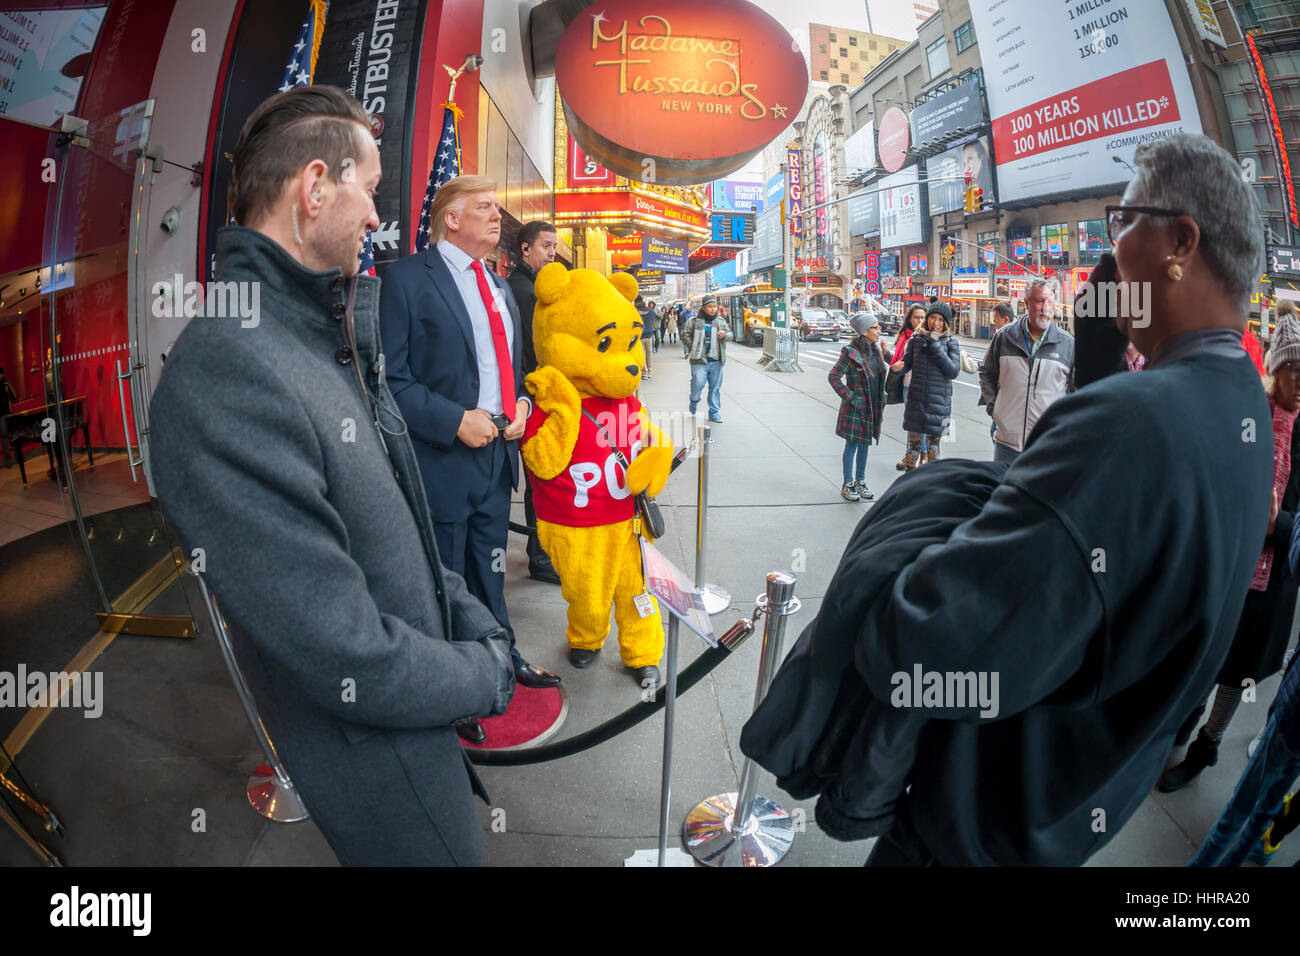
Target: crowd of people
354	520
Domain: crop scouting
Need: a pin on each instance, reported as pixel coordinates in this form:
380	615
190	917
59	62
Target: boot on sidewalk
1203	752
913	456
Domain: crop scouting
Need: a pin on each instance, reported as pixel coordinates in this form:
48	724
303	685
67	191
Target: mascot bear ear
625	284
551	282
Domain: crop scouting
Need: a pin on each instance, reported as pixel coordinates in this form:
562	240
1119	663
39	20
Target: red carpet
533	715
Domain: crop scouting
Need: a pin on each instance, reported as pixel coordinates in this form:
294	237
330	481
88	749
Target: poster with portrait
952	165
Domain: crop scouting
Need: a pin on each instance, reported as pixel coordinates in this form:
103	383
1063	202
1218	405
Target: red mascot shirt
592	488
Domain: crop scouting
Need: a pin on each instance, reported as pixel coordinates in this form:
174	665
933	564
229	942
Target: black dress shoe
471	730
581	658
530	675
543	572
648	673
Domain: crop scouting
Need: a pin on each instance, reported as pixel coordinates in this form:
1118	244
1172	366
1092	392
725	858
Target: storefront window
1054	241
990	248
1092	241
1020	248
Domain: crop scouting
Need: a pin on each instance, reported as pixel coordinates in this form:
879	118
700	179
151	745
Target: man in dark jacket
311	520
537	245
1123	632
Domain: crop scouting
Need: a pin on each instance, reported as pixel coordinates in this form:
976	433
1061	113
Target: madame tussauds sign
677	91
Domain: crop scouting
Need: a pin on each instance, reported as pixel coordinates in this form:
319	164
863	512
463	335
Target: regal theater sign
678	91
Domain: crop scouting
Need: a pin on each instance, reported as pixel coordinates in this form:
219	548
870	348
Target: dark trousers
536	553
901	845
475	547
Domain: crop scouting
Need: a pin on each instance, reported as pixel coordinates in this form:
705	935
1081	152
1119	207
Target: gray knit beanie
1286	343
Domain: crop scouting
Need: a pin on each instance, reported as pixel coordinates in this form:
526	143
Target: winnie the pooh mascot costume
589	354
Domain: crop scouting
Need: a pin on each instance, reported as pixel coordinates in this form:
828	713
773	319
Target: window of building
871	44
835	64
936	55
1020	247
824	77
844	77
988	242
843	52
831	37
853	41
821	47
1092	241
1054	241
965	36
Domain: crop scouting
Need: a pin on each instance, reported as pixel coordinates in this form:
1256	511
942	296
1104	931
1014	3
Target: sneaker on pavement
849	493
863	491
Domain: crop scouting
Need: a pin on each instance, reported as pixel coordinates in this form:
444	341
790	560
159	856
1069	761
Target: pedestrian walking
858	378
705	335
670	323
933	356
647	310
1264	629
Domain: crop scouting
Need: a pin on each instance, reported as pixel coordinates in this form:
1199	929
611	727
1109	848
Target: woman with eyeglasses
1265	626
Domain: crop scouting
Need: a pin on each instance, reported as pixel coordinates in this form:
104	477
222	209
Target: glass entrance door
94	349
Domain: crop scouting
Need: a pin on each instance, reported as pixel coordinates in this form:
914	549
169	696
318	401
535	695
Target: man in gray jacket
279	455
1027	367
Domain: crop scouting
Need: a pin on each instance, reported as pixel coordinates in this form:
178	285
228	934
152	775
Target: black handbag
647	509
894	387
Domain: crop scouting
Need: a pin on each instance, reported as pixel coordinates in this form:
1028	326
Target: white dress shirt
461	267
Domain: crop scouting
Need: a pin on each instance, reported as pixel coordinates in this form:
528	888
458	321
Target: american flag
445	167
302	63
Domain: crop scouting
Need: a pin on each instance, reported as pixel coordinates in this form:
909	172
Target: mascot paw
649	472
552	390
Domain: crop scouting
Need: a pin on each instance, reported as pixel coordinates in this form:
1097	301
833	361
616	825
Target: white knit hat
1286	343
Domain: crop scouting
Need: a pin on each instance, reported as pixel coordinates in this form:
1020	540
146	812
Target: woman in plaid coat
859	380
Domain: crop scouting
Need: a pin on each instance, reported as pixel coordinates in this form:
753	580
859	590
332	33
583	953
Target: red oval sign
895	138
678	91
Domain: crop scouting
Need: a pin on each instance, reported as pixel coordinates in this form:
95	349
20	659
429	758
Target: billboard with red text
1077	84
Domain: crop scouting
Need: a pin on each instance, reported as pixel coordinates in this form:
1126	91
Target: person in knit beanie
1264	629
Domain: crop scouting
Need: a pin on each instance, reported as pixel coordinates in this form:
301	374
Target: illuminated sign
872	284
584	170
794	189
685	90
665	255
1279	141
602	207
971	286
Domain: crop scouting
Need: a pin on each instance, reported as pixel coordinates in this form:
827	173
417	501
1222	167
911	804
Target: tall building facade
839	55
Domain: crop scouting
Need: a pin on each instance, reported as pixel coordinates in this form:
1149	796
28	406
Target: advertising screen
1076	85
902	220
863	209
860	150
960	108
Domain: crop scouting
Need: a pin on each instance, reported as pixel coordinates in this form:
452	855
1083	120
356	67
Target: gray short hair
1199	177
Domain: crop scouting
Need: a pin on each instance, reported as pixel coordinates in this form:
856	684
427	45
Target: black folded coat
820	730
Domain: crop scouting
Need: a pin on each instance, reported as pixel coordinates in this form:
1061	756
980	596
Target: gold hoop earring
1174	270
296	234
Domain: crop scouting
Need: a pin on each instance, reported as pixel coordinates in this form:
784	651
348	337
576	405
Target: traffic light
970	205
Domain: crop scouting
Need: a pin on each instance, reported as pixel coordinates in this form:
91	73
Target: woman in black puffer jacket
933	357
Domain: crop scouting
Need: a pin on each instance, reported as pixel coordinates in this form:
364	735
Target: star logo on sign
1164	102
599	17
779	111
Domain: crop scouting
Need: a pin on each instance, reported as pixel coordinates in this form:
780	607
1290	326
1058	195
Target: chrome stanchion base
274	800
710	838
716	599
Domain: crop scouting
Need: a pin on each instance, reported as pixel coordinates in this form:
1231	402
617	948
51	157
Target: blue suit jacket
433	373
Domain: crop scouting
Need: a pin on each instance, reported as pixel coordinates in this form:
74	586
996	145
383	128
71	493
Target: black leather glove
498	645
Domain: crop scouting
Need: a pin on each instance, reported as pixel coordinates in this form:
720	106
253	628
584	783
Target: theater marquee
677	91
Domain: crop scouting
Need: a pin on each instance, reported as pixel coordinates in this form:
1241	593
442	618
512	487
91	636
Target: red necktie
505	366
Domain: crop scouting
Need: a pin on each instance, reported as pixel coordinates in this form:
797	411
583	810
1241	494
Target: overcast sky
892	18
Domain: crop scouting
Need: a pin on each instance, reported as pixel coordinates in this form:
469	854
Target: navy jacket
433	373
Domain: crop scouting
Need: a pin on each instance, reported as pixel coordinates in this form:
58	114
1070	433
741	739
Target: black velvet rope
628	719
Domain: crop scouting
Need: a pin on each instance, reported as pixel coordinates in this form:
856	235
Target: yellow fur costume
588	339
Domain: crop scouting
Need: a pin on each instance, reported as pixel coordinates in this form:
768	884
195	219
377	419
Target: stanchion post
670	713
746	829
274	797
715	598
